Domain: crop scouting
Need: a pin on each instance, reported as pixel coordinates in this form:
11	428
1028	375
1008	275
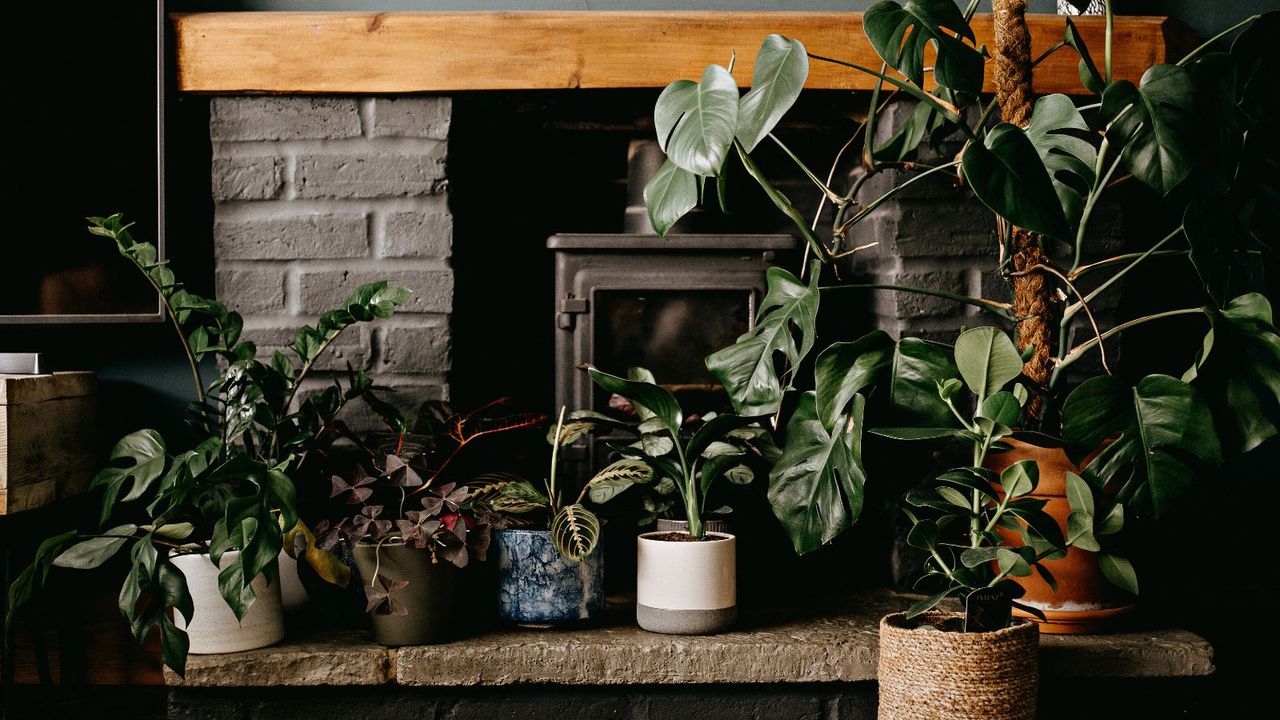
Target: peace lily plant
228	494
1193	134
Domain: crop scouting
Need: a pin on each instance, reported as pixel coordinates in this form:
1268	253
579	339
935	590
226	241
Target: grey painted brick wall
314	196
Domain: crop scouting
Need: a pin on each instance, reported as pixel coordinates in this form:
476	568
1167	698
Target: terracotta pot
686	588
1086	602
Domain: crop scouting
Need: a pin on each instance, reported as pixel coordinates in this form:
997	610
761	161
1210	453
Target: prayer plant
1197	135
230	485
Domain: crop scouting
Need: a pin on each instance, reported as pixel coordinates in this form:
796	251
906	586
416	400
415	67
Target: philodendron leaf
847	368
652	397
1166	436
708	119
146	452
1089	75
815	488
1155	124
899	33
1119	571
786	326
1059	132
1238	371
1008	176
672	192
776	80
987	360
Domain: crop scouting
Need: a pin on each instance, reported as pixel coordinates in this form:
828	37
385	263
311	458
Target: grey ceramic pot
668	525
536	586
429	597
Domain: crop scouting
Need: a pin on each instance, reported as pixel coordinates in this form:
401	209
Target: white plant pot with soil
213	627
686	586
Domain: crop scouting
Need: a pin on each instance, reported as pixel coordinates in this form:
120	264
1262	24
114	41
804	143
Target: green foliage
1155	124
703	118
786	326
900	33
671	193
231	490
776	81
1008	176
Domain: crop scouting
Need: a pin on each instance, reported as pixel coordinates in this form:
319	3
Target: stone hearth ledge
839	645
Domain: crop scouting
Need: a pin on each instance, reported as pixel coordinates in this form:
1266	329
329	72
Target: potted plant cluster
216	515
1191	135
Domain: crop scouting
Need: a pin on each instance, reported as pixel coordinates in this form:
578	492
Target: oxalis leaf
1155	124
816	487
899	33
786	326
776	80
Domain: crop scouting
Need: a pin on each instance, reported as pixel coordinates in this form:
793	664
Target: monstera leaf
1155	124
671	193
918	367
1058	132
1008	176
1089	75
845	369
1165	437
705	120
1238	369
816	486
746	368
776	80
900	33
145	452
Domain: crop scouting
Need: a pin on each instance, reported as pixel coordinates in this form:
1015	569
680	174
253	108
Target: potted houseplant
203	564
686	580
1189	133
408	536
549	571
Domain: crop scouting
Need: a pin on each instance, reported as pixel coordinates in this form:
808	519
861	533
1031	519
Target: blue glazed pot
538	587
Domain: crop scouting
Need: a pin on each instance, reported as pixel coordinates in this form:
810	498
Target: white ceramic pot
213	627
292	594
686	587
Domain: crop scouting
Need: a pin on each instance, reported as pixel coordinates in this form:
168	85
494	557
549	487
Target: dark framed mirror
94	146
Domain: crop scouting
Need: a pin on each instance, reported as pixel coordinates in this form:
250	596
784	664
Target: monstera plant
230	487
1194	135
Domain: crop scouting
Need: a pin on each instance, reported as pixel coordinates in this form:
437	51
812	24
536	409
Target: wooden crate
48	438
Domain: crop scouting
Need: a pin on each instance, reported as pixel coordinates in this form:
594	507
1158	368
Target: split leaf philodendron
1186	133
233	488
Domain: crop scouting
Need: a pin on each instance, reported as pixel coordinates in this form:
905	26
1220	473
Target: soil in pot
214	627
930	669
1085	602
419	613
686	585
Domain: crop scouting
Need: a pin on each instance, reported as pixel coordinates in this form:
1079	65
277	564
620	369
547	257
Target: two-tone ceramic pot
686	586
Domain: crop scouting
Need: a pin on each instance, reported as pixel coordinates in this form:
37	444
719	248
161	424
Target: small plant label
987	609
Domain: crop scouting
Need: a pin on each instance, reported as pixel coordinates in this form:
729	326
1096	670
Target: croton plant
230	486
1196	136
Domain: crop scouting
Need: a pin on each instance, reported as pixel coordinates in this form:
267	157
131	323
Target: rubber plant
1193	134
230	486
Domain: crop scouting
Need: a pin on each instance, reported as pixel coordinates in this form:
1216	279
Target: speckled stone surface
834	644
537	585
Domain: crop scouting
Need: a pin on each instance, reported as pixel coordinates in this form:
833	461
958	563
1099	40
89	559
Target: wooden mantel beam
404	52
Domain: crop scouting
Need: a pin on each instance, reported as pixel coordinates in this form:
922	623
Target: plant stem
827	192
1084	346
999	308
552	494
866	209
1107	47
938	104
1209	43
297	385
1044	55
692	504
1075	307
1118	259
1099	184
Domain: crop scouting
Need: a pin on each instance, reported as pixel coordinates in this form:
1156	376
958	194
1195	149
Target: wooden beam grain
404	52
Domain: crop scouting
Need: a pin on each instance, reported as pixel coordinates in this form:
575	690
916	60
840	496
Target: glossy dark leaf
784	332
900	33
922	606
1155	124
913	394
1089	75
652	397
780	70
1119	571
847	368
93	552
1008	176
144	452
816	487
1063	140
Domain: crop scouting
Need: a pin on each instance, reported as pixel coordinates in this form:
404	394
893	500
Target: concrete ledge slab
837	644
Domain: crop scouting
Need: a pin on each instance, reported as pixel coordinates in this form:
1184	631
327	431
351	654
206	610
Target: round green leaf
987	360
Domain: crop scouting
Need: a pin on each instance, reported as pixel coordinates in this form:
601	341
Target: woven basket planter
927	673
